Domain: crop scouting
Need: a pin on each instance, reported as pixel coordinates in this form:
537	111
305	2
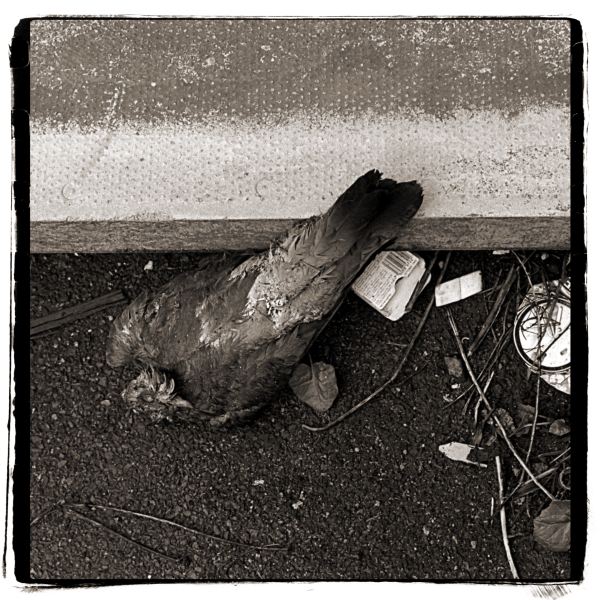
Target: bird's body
230	342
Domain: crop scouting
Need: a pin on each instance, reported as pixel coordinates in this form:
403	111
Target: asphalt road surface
372	498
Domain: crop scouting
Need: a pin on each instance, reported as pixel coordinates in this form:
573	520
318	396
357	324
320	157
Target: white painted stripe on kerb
476	164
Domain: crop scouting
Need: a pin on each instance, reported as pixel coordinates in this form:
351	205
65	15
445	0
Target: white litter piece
560	381
458	289
149	266
389	282
460	452
555	343
500	252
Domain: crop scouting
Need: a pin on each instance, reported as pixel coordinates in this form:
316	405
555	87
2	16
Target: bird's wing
253	377
162	320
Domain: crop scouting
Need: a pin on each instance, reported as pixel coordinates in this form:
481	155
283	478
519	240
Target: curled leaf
552	527
315	385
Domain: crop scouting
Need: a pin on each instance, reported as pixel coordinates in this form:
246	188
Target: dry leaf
315	385
559	427
552	528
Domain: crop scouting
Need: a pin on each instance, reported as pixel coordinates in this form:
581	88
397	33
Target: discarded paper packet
458	289
461	452
389	282
541	332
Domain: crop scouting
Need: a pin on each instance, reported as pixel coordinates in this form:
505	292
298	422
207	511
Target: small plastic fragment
460	452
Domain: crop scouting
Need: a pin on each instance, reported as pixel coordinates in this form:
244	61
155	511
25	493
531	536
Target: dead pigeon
220	348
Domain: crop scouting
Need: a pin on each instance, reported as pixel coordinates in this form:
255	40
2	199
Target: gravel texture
372	498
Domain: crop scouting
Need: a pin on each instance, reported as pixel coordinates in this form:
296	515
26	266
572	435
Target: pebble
454	366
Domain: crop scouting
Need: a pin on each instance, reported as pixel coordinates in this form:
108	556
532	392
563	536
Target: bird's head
153	393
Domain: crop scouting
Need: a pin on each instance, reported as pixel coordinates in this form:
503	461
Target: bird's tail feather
370	213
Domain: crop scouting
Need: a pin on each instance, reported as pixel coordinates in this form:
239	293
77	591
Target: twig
184	527
556	339
554	294
422	283
398	368
489	407
493	315
83	517
45	513
491	360
505	316
360	404
528	481
485	389
516	432
535	418
520	489
538	361
73	313
523	266
538	365
560	455
513	568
